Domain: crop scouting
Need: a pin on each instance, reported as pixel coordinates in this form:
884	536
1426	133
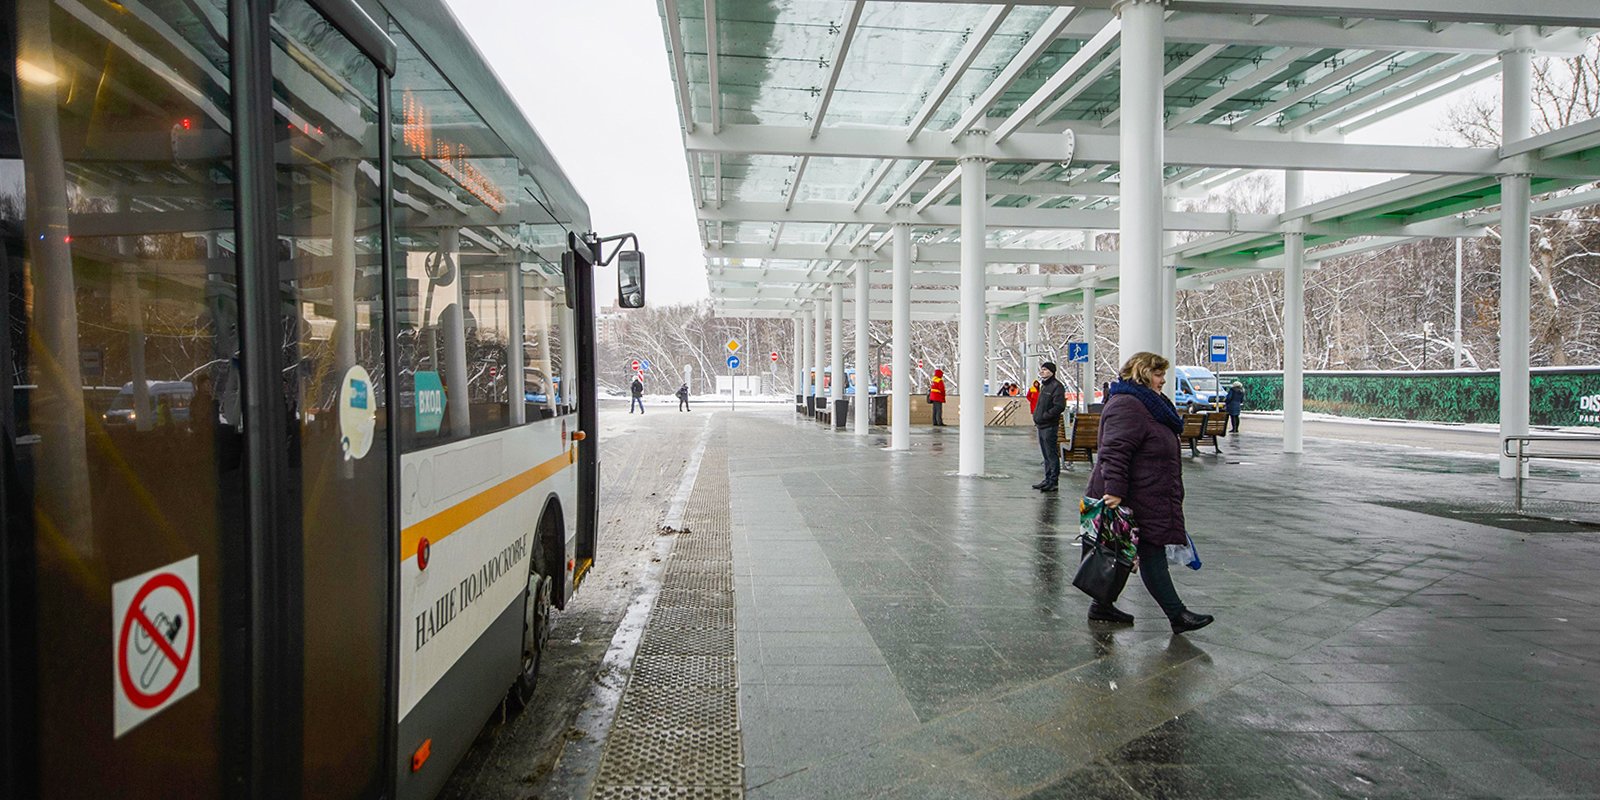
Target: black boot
1040	485
1049	487
1109	613
1190	621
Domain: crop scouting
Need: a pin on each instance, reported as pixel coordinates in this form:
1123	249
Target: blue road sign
1219	349
430	401
1078	352
644	364
733	362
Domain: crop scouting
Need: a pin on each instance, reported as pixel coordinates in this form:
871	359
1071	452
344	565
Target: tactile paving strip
696	673
680	708
676	735
667	793
702	598
686	641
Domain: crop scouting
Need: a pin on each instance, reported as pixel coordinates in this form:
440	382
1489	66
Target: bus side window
543	302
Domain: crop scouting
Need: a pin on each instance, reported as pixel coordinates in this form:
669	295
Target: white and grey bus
321	567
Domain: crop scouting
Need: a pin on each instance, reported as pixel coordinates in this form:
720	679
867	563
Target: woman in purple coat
1139	465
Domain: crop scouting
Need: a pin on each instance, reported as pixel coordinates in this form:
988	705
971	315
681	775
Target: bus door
195	571
338	551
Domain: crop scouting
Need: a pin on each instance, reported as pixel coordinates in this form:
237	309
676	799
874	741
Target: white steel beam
1546	13
1042	39
1398	77
874	182
680	75
1418	85
712	78
1390	109
938	191
1089	78
1183	148
958	67
1092	48
920	254
1251	80
1347	72
841	52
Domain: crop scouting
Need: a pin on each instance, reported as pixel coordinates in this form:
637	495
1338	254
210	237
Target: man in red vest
936	397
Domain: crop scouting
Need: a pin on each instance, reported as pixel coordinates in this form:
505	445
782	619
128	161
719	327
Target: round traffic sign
733	362
636	365
774	356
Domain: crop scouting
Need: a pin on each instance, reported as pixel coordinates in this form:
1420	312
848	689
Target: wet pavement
906	633
552	749
1385	628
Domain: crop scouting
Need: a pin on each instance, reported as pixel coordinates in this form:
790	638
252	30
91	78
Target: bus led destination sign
453	159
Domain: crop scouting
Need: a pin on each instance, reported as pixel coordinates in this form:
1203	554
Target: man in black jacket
1046	416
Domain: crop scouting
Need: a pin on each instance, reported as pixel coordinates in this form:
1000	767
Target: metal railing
1523	456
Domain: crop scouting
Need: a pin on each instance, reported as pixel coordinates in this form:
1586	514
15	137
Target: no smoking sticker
155	622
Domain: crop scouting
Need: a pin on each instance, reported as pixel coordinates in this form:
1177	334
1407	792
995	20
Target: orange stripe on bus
458	516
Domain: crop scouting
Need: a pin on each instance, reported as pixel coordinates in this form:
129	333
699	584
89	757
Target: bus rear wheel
535	635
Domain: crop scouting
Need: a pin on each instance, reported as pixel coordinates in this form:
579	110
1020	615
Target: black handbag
1102	574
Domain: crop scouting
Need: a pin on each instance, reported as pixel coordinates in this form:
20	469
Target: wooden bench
1199	429
1080	442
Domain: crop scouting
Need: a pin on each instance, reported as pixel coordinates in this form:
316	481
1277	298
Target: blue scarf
1158	405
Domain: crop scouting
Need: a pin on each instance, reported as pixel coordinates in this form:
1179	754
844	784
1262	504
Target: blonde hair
1141	366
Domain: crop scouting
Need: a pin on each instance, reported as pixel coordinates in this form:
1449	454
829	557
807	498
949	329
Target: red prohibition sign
139	698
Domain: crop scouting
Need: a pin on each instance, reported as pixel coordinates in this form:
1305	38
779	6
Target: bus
328	224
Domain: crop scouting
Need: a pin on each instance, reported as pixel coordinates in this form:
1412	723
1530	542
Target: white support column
799	358
1169	303
992	375
865	378
1032	345
1143	126
819	352
1294	318
807	323
1455	360
1089	298
974	177
1515	218
900	363
836	353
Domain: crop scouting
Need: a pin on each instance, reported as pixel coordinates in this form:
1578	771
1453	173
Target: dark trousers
1052	454
683	404
637	401
938	413
1235	419
1157	578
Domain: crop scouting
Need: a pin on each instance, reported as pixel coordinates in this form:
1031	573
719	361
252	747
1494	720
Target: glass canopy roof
915	72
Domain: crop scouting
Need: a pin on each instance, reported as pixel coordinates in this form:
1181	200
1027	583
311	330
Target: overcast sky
627	157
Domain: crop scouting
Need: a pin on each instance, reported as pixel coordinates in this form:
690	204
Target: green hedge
1558	396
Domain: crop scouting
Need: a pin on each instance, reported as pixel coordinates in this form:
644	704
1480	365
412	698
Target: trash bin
841	412
880	409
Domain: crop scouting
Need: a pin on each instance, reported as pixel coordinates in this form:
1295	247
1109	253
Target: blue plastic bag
1185	554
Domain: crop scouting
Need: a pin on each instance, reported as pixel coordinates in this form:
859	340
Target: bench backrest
1216	424
1085	431
1194	426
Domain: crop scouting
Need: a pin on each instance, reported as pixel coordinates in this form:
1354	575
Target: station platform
1385	628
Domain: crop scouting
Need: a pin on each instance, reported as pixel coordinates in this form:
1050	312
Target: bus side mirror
630	279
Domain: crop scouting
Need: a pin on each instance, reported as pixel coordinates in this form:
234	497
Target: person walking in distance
683	397
1235	404
1140	466
1051	404
638	395
936	397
